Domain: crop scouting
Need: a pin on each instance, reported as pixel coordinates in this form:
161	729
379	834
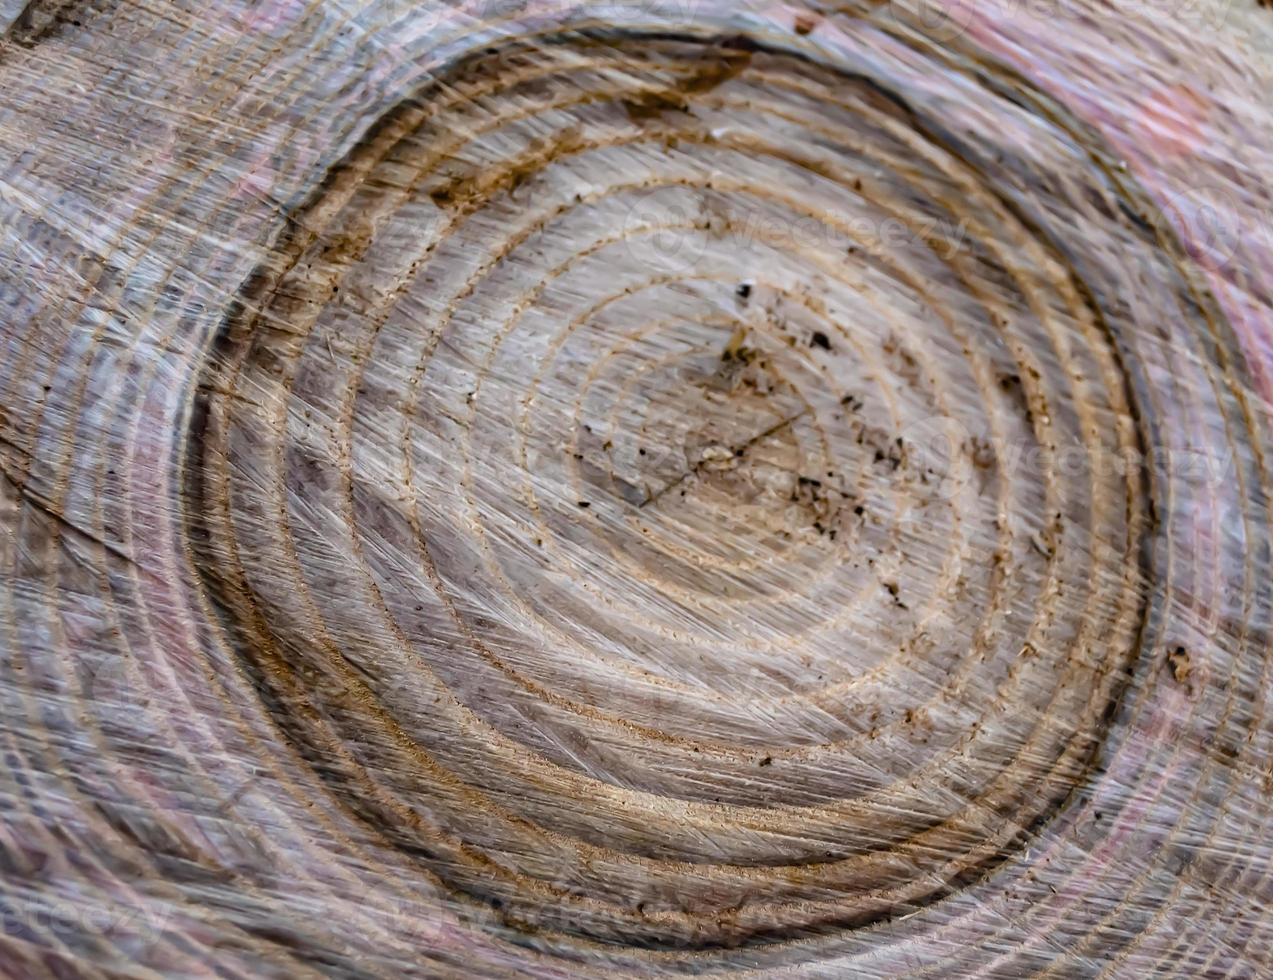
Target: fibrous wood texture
625	489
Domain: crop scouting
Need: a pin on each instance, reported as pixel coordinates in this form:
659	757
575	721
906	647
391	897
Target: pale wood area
635	488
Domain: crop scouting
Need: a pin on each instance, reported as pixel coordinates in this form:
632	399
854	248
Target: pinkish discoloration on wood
635	489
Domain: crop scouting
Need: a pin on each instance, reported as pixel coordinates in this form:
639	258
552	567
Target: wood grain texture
635	488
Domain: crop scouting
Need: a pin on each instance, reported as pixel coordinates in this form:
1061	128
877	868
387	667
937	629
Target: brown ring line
472	638
783	52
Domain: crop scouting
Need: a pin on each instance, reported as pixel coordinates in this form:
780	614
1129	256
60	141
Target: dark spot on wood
720	66
1178	661
41	19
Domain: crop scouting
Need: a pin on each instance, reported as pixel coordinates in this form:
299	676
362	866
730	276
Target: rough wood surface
626	489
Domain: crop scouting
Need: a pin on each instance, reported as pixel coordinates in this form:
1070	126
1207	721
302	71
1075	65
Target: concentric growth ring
678	494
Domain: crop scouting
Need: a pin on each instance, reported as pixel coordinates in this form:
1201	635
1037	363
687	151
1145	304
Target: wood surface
636	489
